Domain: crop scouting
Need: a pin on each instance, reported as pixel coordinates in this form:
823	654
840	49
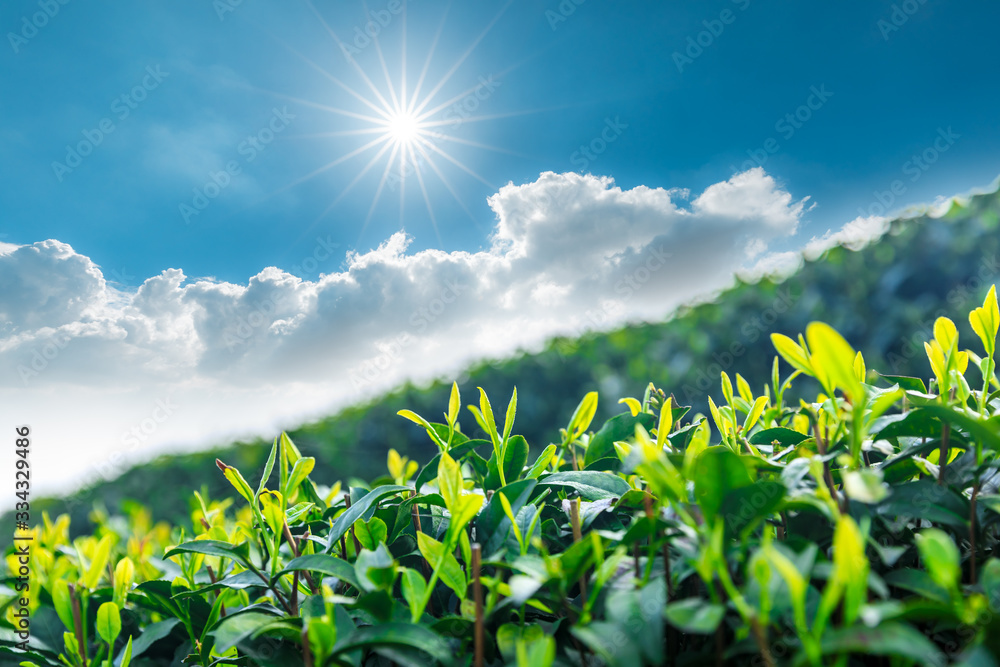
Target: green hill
923	268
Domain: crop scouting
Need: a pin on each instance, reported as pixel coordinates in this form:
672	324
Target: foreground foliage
858	527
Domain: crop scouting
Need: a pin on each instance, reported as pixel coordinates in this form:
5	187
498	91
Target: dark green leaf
235	628
717	471
590	484
917	581
619	427
357	510
785	437
515	457
326	564
907	383
744	508
694	615
457	452
492	524
397	634
245	579
237	552
895	639
150	635
916	423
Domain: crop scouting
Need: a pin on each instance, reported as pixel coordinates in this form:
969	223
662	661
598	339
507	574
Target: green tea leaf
508	423
515	458
486	411
792	352
454	404
756	410
372	533
665	424
236	552
493	526
590	484
376	569
940	556
124	578
236	479
619	427
414	587
236	627
300	471
397	634
109	622
784	437
268	467
97	564
745	507
888	639
834	357
694	615
151	634
126	656
324	564
582	416
450	571
717	471
63	602
541	463
355	511
417	419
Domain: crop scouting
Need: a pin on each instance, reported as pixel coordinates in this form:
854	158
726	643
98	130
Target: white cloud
94	366
856	234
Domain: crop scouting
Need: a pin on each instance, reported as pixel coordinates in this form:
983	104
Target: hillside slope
923	268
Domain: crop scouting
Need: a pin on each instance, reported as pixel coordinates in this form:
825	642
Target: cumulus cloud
568	253
855	235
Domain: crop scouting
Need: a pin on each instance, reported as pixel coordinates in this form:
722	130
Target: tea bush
859	528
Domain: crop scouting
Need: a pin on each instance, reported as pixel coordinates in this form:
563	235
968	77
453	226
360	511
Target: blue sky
605	60
196	244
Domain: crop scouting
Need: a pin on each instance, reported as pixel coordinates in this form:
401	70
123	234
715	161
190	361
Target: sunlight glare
404	128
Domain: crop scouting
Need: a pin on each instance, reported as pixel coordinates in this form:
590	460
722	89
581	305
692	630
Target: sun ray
359	176
447	184
344	192
402	183
457	163
352	61
385	68
338	133
458	63
381	186
353	93
313	174
330	165
430	56
304	102
495	116
475	144
430	209
465	93
402	76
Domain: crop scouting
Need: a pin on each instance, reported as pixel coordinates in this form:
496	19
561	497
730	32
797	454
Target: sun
403	128
407	125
